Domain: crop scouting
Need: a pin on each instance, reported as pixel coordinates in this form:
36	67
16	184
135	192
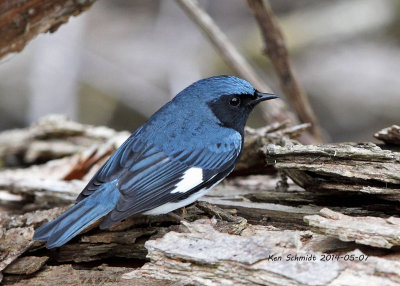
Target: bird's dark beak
259	96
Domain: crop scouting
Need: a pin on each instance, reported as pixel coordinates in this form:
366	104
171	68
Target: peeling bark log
21	21
373	231
363	168
16	233
26	265
204	256
43	192
13	243
253	161
389	135
71	275
104	244
360	182
53	137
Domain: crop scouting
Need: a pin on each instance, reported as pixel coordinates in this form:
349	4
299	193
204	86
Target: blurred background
121	60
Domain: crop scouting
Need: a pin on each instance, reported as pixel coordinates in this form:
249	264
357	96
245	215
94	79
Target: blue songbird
187	147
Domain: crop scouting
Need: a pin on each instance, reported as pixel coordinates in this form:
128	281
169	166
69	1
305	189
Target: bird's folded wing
125	155
156	179
148	178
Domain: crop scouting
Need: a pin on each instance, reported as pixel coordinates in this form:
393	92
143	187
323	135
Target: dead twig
20	21
275	110
218	212
276	50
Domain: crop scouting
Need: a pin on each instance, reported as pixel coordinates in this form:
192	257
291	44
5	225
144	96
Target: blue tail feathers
79	217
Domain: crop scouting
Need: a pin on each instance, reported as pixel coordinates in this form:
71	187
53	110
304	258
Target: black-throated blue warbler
188	146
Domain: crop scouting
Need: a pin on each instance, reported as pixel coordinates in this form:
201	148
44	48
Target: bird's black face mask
232	110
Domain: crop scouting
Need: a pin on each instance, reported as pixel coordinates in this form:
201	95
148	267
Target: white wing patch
191	178
169	207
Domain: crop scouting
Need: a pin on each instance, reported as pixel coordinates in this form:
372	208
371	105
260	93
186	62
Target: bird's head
231	99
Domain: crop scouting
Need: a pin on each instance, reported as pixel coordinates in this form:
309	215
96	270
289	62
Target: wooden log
389	135
26	265
253	160
16	233
53	137
373	231
21	21
68	274
273	206
128	241
98	245
363	168
205	256
44	193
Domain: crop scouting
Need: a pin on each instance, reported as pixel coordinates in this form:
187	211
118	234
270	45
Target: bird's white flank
191	178
169	207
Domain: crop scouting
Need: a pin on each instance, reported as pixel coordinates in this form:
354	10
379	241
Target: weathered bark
26	265
53	137
361	168
68	274
21	21
16	233
389	135
123	241
43	192
253	161
264	214
259	256
373	231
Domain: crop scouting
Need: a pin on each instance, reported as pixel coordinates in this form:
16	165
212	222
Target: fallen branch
50	138
252	161
204	256
44	193
357	182
361	168
20	21
373	231
68	274
275	110
16	233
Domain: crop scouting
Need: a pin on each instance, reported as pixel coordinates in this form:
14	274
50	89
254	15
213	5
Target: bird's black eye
235	101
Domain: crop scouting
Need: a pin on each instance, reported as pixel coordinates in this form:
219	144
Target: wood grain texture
345	203
361	168
389	135
373	231
22	20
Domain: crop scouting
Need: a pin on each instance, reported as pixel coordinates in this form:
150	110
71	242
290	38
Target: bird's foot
238	224
177	217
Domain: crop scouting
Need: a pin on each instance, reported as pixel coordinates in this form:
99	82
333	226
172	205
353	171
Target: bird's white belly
169	207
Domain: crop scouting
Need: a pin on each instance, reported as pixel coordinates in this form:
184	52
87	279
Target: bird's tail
79	217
